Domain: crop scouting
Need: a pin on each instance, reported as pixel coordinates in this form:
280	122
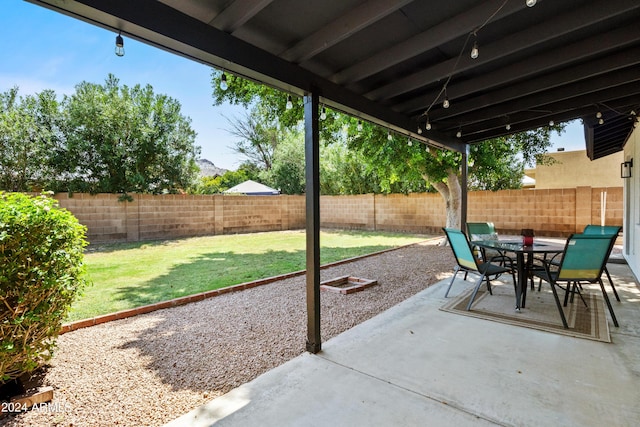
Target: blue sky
43	49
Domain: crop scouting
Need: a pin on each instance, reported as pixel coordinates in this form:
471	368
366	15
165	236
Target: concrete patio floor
415	365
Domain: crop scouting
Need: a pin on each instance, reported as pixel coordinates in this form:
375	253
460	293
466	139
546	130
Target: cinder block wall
418	213
550	212
348	212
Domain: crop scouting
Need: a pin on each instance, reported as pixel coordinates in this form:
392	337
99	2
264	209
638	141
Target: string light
598	115
389	137
428	125
409	143
474	51
223	83
508	127
474	54
600	121
531	3
459	134
419	130
119	45
359	127
551	123
289	105
323	114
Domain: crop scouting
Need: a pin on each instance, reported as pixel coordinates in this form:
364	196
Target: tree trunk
451	192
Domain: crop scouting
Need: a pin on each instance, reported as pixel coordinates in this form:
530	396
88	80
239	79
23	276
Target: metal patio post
312	175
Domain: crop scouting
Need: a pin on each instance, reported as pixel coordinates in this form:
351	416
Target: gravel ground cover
149	369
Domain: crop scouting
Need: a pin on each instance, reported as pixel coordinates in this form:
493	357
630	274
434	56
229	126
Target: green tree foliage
122	139
30	132
41	253
218	184
393	163
287	171
257	136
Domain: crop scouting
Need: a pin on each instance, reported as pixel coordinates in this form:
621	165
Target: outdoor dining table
523	265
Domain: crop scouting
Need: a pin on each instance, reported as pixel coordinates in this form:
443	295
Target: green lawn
129	275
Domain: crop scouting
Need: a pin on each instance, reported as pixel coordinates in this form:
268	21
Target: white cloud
29	85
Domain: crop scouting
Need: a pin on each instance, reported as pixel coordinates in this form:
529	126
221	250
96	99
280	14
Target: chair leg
488	285
475	291
606	299
611	283
455	272
555	296
566	294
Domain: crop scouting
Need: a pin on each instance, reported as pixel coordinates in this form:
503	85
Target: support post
312	178
465	188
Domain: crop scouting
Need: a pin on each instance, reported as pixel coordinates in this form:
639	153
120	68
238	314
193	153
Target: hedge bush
41	254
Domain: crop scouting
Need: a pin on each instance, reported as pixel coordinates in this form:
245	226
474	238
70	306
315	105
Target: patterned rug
540	312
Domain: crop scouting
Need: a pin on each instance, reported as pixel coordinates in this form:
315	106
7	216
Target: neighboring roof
389	62
252	188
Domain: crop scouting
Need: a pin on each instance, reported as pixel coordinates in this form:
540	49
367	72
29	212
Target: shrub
41	254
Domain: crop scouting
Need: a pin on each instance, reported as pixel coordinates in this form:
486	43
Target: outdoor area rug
540	312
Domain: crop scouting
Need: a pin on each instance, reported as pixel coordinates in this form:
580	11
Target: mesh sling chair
606	230
469	264
611	231
583	260
483	231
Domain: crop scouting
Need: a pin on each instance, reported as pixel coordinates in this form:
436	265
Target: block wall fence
550	212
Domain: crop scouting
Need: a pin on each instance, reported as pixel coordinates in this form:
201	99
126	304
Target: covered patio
416	365
447	74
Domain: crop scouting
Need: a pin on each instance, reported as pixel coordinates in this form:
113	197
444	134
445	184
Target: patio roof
393	62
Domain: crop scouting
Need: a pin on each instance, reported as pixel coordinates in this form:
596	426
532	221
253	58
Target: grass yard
129	275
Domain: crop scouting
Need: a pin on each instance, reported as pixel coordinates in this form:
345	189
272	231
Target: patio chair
470	264
583	260
610	230
483	231
600	230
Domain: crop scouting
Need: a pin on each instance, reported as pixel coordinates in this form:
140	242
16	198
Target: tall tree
30	131
122	139
257	136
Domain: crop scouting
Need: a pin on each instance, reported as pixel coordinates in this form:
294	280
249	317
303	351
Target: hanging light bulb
531	3
598	115
389	137
459	134
600	121
445	103
474	51
289	105
508	127
419	130
119	45
223	82
632	112
359	127
323	114
551	123
409	143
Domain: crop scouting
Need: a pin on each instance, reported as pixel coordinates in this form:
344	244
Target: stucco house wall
574	169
